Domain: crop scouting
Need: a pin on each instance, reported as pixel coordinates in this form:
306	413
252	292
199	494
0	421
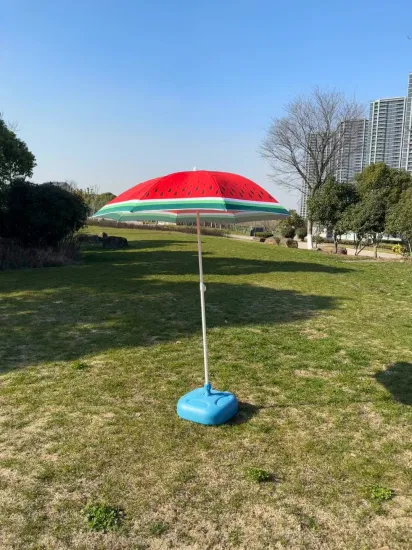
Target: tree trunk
335	240
376	251
309	239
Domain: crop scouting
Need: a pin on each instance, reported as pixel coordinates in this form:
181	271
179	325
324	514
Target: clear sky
113	92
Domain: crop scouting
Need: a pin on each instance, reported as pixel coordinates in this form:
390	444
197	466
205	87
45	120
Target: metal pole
202	302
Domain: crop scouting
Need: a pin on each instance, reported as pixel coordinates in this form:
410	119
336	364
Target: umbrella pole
202	303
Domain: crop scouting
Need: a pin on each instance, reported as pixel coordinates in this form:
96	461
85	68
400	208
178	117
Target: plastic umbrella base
207	406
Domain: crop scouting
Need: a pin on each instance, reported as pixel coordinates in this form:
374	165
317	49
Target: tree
41	215
327	206
287	230
366	219
94	199
380	189
380	177
304	147
399	219
68	185
90	195
289	227
295	219
98	200
301	233
16	161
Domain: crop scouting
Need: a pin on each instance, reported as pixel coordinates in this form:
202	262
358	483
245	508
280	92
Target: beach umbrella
195	196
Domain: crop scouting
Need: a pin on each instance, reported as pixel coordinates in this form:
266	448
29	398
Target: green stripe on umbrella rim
224	205
190	216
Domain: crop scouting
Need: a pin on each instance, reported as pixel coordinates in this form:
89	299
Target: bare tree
307	145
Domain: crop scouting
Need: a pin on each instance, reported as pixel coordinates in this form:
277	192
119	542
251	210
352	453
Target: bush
191	229
318	239
301	233
263	235
291	243
287	230
277	240
397	248
40	215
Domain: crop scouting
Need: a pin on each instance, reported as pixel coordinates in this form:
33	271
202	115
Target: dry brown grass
301	339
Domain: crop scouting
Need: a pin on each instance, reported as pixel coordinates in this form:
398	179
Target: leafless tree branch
306	146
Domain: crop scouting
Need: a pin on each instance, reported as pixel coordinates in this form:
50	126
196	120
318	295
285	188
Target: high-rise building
406	161
353	151
387	120
390	131
349	160
386	137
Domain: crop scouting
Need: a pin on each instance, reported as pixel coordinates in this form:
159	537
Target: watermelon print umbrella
191	197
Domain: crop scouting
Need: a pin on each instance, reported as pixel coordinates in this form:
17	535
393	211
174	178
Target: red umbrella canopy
217	196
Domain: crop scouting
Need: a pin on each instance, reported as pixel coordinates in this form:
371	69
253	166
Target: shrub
258	475
277	240
40	215
287	230
397	248
318	239
102	517
263	235
301	233
291	243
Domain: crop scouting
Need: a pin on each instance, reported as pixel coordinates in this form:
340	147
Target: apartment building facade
385	137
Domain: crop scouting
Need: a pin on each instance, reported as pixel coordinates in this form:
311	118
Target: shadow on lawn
185	262
125	302
397	379
246	412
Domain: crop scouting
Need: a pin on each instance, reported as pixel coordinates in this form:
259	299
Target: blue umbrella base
207	406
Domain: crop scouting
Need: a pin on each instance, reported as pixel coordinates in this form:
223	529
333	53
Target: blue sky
111	93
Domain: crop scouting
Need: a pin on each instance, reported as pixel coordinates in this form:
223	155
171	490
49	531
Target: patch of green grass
80	365
308	522
257	475
102	517
158	528
379	494
316	348
235	537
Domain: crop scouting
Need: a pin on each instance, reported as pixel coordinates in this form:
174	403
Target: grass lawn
94	357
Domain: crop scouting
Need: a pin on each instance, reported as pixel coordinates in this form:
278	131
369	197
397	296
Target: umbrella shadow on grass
129	299
245	413
71	322
397	379
185	262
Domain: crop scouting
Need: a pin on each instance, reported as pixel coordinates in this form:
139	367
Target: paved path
364	253
351	251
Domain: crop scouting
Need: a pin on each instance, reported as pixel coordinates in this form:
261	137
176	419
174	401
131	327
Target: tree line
38	215
378	203
308	146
